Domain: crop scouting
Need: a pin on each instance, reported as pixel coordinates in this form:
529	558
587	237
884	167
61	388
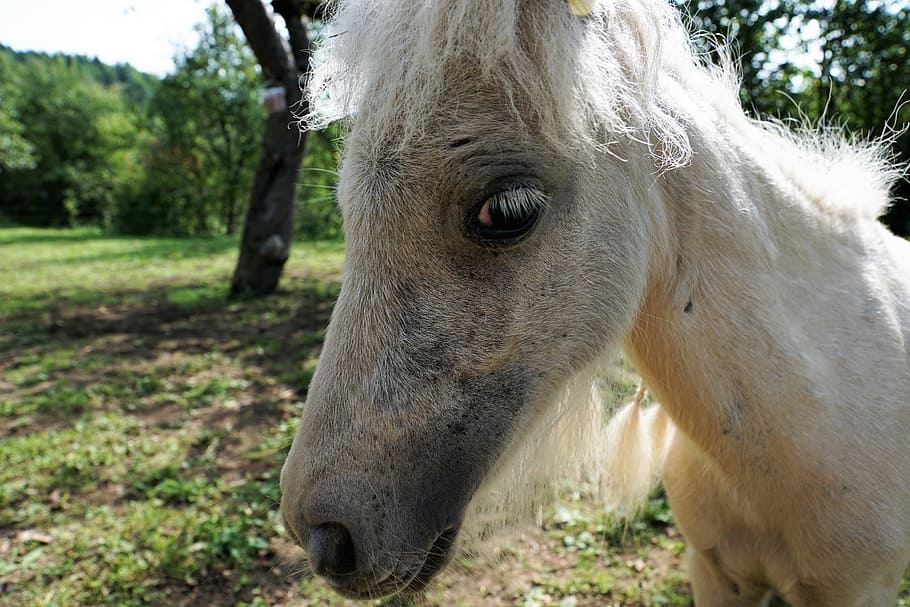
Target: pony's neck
725	337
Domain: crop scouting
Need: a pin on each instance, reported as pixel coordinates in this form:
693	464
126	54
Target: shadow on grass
123	342
215	382
82	313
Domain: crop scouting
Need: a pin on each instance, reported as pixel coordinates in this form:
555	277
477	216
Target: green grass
144	417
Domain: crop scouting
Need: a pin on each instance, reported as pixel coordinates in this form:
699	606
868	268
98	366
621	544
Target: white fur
787	376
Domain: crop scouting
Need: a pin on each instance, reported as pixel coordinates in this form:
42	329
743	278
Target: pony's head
499	227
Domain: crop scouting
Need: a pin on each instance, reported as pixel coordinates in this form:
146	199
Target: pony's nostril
331	551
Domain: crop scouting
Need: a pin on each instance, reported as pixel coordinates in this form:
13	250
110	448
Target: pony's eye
508	215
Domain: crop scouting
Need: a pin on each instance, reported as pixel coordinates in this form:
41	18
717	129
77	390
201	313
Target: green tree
75	132
205	116
15	150
750	30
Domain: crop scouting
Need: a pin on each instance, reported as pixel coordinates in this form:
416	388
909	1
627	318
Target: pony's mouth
438	557
405	582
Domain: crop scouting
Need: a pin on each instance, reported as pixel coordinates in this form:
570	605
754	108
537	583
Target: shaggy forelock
581	82
626	72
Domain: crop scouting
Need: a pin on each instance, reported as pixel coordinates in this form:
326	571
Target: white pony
526	187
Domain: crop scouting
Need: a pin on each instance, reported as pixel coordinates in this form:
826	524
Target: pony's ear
582	8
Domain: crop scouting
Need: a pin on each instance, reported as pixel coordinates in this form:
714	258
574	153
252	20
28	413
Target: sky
145	33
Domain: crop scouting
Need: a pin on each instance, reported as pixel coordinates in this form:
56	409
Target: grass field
144	418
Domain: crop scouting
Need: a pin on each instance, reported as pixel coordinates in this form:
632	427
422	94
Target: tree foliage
205	119
16	152
842	63
68	139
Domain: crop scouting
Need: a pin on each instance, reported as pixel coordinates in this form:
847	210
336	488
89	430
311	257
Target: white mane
627	70
584	80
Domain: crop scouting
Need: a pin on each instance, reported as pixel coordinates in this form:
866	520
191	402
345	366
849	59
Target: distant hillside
71	135
135	86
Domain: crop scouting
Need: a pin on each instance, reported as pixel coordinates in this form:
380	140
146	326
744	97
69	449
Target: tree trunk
266	240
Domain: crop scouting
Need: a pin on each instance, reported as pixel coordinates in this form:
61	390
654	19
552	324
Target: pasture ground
144	418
